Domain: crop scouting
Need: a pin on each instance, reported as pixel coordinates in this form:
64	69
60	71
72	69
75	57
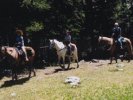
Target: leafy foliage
35	26
80	16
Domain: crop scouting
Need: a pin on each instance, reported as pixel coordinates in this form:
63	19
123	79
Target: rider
68	41
116	35
20	42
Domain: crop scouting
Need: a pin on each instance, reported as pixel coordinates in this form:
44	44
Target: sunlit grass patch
98	82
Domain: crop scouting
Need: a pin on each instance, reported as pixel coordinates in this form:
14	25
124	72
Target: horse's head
2	50
52	43
100	39
2	53
56	44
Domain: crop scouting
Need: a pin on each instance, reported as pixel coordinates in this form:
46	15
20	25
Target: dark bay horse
114	47
15	60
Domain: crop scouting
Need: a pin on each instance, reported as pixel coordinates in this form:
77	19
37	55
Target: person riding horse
116	35
20	43
68	41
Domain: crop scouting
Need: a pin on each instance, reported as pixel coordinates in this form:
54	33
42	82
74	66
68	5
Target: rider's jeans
120	41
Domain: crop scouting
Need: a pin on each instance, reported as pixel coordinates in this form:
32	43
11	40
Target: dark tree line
43	19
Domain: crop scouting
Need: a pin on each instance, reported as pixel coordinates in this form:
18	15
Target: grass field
99	81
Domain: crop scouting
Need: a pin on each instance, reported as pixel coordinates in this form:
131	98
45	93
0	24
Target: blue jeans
120	41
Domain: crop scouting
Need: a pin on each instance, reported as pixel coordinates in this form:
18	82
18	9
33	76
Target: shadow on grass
1	76
113	70
16	82
5	73
58	70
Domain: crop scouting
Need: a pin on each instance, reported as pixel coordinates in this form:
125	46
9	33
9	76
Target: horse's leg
69	60
115	53
116	56
14	74
14	71
76	58
31	69
111	54
59	62
129	47
59	58
63	60
111	57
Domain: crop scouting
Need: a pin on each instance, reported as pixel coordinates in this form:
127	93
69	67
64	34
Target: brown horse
105	41
15	59
127	44
114	48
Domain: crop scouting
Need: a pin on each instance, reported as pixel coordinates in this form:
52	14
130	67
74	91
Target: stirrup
26	59
121	47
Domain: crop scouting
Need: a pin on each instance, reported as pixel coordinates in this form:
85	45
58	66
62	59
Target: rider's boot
25	57
121	47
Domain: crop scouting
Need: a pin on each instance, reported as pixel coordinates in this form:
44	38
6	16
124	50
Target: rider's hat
67	31
20	32
116	24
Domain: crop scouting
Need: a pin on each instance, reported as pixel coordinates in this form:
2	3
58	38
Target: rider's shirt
116	32
68	38
20	41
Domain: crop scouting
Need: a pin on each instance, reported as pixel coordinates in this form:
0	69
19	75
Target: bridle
2	52
52	44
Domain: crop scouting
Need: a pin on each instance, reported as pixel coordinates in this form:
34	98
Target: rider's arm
120	30
113	33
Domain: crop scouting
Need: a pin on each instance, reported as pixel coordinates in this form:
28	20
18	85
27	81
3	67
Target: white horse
61	50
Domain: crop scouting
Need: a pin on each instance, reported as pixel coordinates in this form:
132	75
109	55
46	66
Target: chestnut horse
14	58
114	47
106	41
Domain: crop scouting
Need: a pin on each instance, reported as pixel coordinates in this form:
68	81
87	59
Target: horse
61	50
15	59
127	45
105	41
114	48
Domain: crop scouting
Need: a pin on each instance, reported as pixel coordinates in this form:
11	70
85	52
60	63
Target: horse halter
2	53
3	49
52	44
99	40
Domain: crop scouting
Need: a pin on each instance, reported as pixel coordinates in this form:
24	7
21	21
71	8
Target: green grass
103	82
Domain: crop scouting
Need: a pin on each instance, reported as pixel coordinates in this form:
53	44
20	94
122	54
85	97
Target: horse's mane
59	42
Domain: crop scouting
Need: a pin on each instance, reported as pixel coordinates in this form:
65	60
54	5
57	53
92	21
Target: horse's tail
31	49
130	45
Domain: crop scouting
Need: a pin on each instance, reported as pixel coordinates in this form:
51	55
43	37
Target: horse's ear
50	40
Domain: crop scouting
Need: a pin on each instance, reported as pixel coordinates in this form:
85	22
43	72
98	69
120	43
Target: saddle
123	42
70	49
20	52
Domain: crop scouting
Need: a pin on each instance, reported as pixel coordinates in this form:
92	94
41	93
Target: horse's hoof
16	78
63	69
34	74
